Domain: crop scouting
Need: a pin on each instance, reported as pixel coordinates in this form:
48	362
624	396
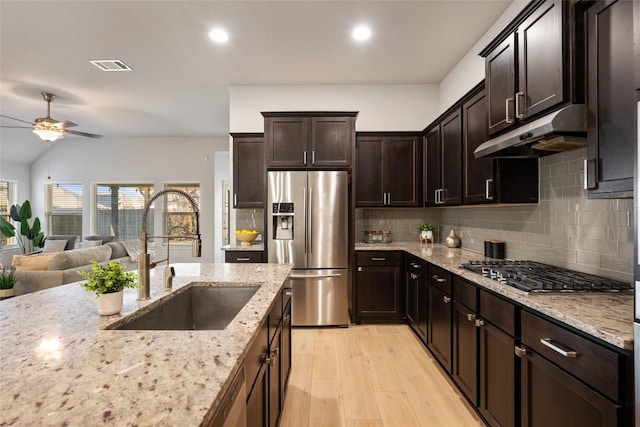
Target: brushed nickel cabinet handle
446	299
479	323
378	259
506	110
487	187
235	199
547	342
313	157
243	259
518	113
438	278
590	171
304	157
471	317
520	351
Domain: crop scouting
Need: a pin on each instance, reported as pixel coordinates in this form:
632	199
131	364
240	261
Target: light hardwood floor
369	375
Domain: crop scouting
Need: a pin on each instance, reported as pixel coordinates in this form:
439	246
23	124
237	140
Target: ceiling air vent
111	65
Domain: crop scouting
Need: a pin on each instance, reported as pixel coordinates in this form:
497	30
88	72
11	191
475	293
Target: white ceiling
180	83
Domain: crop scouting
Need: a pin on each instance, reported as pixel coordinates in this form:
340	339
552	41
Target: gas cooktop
535	277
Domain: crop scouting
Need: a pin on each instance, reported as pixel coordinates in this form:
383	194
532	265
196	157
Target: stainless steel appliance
308	225
636	208
535	277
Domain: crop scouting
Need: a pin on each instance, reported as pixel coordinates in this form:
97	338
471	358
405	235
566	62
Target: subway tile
588	258
558	169
616	263
589	218
620	234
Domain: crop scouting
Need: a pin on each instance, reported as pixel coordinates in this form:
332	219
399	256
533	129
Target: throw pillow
39	262
79	257
91	243
51	246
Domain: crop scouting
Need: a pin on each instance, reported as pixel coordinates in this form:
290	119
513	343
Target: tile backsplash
250	219
565	228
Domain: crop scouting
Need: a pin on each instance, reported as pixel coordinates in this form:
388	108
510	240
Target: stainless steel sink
197	308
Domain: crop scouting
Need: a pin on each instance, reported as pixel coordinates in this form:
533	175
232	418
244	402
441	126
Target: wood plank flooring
369	375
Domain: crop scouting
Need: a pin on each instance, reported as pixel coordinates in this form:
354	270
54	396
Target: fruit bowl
246	236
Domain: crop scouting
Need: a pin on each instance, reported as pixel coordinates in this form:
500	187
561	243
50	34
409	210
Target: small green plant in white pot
426	233
7	280
107	283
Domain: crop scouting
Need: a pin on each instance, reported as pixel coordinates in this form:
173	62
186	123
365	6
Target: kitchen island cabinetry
299	140
611	100
248	170
530	67
379	294
560	382
416	295
388	169
440	316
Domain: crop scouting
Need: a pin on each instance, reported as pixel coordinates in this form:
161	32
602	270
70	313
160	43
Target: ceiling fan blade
13	118
75	132
17	127
65	124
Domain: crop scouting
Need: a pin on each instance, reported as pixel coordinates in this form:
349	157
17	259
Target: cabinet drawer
465	292
440	278
499	312
379	257
242	256
592	363
416	266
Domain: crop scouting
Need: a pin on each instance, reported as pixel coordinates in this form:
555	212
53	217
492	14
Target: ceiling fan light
48	135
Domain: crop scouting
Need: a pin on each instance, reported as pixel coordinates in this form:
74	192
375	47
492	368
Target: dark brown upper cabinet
388	169
487	180
309	140
611	102
248	170
531	66
443	160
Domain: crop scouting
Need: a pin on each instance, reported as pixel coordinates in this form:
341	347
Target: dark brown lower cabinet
465	351
276	401
379	294
551	397
285	359
416	295
497	369
257	409
439	325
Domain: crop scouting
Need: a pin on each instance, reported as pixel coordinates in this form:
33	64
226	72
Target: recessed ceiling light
218	35
361	33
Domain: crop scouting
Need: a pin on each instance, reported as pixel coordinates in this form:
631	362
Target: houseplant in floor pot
30	236
107	283
7	280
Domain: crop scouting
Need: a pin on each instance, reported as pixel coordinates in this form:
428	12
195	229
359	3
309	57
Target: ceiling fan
48	129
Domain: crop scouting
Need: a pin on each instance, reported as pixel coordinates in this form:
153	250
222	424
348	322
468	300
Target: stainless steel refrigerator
636	208
308	225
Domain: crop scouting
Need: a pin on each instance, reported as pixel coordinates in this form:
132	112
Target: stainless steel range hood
561	130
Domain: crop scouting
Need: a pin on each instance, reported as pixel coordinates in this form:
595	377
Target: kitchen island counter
61	367
608	317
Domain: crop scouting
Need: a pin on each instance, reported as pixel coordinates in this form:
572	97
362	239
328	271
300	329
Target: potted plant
426	233
107	283
31	237
7	280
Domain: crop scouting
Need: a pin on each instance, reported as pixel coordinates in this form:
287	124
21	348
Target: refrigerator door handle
310	221
309	276
304	215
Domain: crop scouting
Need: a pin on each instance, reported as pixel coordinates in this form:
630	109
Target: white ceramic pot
109	304
429	234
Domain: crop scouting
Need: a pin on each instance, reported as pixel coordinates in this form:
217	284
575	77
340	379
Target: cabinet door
285	350
369	171
257	401
275	383
248	172
611	100
478	184
465	351
243	256
497	377
540	60
286	139
412	300
379	292
403	171
452	158
551	397
500	78
422	308
433	163
331	140
439	337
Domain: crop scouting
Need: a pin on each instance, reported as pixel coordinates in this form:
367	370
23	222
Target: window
64	208
178	212
7	198
119	208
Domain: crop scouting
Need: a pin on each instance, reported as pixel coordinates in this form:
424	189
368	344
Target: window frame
48	210
149	185
197	187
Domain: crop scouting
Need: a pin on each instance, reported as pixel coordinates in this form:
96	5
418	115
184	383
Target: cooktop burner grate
535	277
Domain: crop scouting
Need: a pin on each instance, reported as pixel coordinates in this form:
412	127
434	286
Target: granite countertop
608	317
258	247
60	367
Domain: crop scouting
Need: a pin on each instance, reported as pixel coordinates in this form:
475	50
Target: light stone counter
255	246
60	367
608	317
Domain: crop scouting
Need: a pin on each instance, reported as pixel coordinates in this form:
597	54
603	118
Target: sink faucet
144	260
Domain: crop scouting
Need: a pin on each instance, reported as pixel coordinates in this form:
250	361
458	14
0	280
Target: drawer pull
471	317
566	353
415	265
438	278
520	351
287	292
479	323
446	299
413	276
378	259
243	259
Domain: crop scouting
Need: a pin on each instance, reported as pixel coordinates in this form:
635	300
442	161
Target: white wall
131	160
469	71
19	173
380	107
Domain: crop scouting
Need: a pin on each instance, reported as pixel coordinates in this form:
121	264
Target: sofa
46	270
